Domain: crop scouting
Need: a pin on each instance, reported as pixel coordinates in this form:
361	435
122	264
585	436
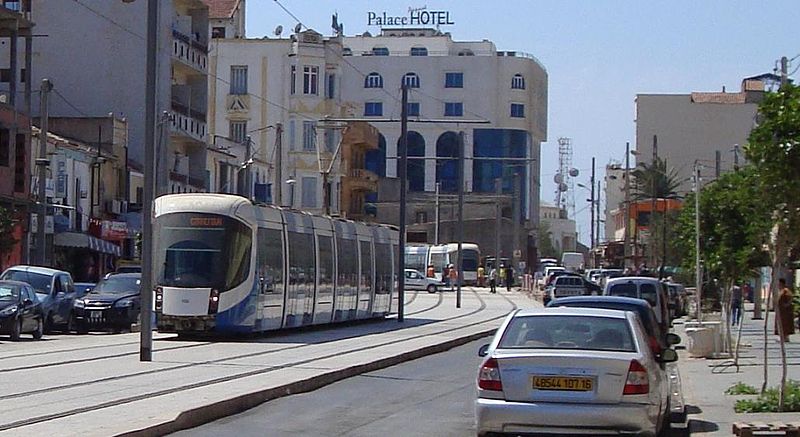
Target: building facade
562	229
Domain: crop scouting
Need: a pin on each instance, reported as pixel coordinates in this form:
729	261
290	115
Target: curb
220	409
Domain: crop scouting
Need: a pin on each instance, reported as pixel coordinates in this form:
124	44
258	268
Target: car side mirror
668	356
673	339
483	351
27	302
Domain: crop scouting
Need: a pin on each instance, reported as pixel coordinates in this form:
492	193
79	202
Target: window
366	267
466	52
309	197
518	82
330	140
411	80
373	80
292	135
309	135
517	110
293	81
347	51
310	79
373	108
419	51
453	109
217	32
238	131
238	79
421	217
330	89
413	109
270	261
4	147
454	80
380	51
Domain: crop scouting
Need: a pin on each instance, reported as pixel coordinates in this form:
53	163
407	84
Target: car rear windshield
568	332
119	285
9	292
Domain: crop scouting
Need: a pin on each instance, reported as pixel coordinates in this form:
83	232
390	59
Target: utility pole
597	214
784	71
626	249
146	334
516	212
654	196
42	162
278	164
591	210
698	270
498	188
436	216
403	152
460	216
96	176
248	189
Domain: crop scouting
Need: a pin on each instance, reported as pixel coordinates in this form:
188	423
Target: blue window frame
518	82
380	51
518	110
411	80
453	109
373	108
373	80
413	109
419	51
454	80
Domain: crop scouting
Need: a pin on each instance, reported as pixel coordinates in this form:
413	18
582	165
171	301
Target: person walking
493	280
509	277
481	276
446	275
501	275
785	311
736	303
453	276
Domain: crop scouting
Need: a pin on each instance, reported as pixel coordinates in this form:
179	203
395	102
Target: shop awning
76	239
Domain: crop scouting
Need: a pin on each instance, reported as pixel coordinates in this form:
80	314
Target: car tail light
213	302
637	382
489	376
654	345
159	303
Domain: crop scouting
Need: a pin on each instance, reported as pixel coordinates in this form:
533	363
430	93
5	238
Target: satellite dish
298	28
278	30
562	187
574	172
558	178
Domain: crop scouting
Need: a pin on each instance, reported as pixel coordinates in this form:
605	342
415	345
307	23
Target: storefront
86	257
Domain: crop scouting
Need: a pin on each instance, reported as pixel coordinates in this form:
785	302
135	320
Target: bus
446	254
223	264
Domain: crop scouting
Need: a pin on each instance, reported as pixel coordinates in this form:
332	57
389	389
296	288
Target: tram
225	265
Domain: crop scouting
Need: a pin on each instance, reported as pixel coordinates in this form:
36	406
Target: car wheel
431	288
16	330
37	334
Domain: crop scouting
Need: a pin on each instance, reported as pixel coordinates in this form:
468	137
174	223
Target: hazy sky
598	55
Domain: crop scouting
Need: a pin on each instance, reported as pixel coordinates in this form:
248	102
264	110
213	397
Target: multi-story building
697	127
95	56
15	126
226	18
561	228
615	200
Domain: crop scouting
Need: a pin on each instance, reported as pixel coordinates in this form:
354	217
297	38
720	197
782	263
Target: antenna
298	28
278	30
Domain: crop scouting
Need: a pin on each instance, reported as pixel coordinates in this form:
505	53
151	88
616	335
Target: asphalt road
430	396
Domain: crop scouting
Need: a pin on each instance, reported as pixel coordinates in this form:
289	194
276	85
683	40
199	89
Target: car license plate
563	383
95	314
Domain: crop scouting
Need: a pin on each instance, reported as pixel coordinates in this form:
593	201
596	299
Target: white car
417	281
572	371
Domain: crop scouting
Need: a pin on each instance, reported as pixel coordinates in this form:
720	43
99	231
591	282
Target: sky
598	54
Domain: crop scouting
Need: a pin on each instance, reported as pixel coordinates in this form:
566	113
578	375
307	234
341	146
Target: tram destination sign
414	17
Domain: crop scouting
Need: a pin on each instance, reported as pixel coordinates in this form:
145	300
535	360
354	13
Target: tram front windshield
201	251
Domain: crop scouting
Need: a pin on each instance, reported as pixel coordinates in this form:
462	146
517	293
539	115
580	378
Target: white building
563	234
615	200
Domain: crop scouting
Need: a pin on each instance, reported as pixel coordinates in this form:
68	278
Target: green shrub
741	388
768	402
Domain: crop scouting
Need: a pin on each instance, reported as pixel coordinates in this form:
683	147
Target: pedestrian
509	277
736	303
785	311
446	275
431	273
747	292
453	272
481	273
501	275
493	280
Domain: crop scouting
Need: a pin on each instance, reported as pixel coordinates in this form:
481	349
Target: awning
76	239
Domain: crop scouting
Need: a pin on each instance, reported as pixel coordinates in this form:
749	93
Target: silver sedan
572	371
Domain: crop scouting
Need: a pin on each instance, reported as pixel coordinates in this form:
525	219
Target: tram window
270	259
325	262
366	265
383	268
348	258
301	258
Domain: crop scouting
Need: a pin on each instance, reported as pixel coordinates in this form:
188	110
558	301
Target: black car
20	310
658	338
113	304
55	291
592	288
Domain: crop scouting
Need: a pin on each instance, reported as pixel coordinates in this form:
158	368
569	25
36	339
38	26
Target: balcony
189	52
188	122
188	183
360	179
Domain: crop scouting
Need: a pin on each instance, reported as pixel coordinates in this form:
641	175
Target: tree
773	148
546	247
655	181
7	240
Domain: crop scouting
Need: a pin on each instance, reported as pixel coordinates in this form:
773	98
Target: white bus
446	254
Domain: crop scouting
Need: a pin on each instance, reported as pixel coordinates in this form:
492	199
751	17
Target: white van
641	287
572	261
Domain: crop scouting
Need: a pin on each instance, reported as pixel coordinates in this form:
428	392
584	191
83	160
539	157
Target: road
428	396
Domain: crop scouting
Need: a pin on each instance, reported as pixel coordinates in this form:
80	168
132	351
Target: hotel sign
415	17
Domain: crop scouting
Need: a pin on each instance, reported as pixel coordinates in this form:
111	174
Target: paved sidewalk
705	380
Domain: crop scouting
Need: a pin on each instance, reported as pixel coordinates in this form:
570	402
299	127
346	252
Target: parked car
417	281
129	268
678	298
81	288
20	310
657	338
640	287
572	371
565	285
113	304
55	291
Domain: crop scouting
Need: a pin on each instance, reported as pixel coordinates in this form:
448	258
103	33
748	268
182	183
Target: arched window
411	80
518	82
446	162
373	80
419	51
415	167
375	161
380	51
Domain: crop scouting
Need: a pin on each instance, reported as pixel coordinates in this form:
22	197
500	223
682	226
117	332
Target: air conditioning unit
114	206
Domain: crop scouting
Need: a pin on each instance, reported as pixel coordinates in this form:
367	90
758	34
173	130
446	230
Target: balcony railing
189	126
187	180
190	52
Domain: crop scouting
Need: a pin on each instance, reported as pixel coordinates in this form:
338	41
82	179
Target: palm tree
654	180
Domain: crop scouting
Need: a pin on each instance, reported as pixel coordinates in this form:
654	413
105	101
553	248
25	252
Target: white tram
223	264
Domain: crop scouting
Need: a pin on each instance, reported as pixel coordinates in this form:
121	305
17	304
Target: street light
291	182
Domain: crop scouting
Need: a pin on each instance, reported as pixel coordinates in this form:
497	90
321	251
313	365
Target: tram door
323	306
270	277
302	271
346	296
366	281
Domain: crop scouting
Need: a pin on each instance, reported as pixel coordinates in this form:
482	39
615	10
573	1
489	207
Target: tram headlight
213	301
159	298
